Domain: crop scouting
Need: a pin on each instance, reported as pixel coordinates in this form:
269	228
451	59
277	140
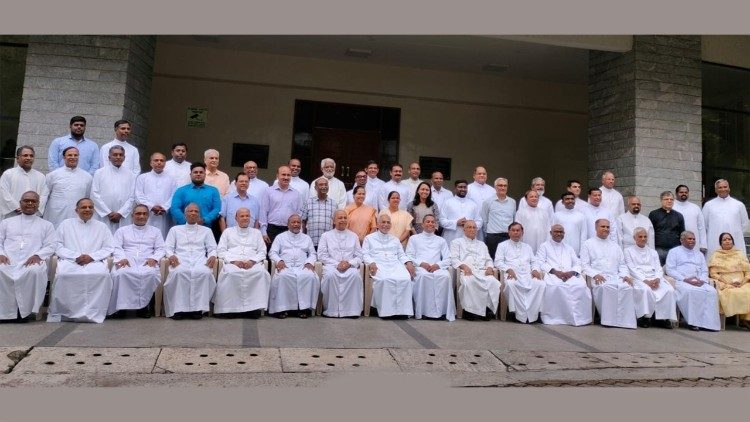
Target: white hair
208	151
326	160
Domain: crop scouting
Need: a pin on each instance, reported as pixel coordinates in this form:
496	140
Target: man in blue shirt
233	201
205	196
88	150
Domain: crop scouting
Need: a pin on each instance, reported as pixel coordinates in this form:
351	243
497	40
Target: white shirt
389	186
440	196
180	172
628	222
694	221
480	192
132	157
412	184
455	209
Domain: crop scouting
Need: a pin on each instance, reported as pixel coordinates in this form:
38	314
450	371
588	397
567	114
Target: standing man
668	224
573	222
66	185
214	176
439	194
692	215
336	188
371	197
178	168
538	184
497	214
256	187
89	151
413	181
479	191
574	187
277	205
611	198
633	218
724	214
373	182
135	273
20	179
154	190
206	197
524	287
82	285
26	242
478	289
395	184
457	211
595	211
113	190
341	255
535	221
317	212
236	199
297	183
132	161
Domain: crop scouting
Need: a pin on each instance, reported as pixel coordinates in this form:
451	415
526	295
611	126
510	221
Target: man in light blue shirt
88	150
497	214
233	201
205	196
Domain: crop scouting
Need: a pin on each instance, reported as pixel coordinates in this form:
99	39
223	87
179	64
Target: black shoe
280	315
644	322
305	313
196	315
693	328
252	314
178	316
143	312
373	311
117	315
352	317
469	316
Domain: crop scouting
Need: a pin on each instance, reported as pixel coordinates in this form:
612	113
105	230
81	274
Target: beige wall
732	50
516	128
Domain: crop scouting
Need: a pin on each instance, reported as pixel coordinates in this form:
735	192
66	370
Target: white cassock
524	293
442	195
336	191
343	292
480	192
239	289
579	205
595	213
392	288
14	183
433	292
134	285
643	264
614	297
403	191
180	172
536	224
190	285
724	215
627	223
112	190
574	223
612	200
412	184
699	304
256	188
294	287
694	221
66	186
454	209
478	291
373	185
544	203
81	292
565	302
153	189
132	160
22	288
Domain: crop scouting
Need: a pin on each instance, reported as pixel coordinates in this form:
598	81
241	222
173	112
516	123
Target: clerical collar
243	230
190	224
428	234
293	234
137	227
84	222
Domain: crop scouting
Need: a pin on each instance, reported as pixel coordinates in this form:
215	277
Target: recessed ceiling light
496	67
359	52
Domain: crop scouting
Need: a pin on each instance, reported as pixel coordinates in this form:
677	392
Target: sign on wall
197	117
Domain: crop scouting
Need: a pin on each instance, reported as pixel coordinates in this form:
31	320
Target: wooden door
351	149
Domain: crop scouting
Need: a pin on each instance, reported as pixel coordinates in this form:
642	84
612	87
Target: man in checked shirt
317	212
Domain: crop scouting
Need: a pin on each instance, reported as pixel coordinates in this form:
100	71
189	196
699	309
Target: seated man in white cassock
603	261
391	271
294	286
654	296
567	298
524	287
698	301
25	242
191	251
341	255
244	282
135	273
433	287
82	285
479	290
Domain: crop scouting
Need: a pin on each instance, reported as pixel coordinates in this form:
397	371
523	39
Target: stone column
103	78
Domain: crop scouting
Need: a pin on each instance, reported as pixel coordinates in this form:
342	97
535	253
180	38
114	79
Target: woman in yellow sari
731	270
400	219
361	217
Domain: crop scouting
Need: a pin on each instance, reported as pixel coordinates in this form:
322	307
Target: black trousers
273	230
492	240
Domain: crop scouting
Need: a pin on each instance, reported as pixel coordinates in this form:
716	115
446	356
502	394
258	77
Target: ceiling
526	60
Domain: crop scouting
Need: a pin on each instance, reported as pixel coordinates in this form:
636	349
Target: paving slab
9	356
28	334
322	332
269	379
720	358
330	360
66	360
426	360
549	361
647	360
218	361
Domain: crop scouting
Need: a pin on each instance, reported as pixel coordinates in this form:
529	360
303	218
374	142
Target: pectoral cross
21	244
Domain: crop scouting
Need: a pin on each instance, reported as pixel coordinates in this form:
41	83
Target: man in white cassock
132	160
135	273
112	191
336	188
154	190
191	252
611	198
294	285
538	184
341	255
244	282
536	221
26	241
478	289
66	185
391	271
524	287
82	285
630	220
573	222
596	211
178	167
456	211
602	260
724	214
654	296
692	215
20	179
567	298
697	299
433	287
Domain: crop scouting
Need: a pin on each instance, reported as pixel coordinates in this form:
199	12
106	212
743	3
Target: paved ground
313	352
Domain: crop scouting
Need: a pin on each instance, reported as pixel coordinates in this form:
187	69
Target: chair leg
459	308
367	294
158	297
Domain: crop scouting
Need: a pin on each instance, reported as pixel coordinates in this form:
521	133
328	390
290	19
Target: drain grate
720	358
647	360
63	360
225	361
327	360
538	361
434	360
